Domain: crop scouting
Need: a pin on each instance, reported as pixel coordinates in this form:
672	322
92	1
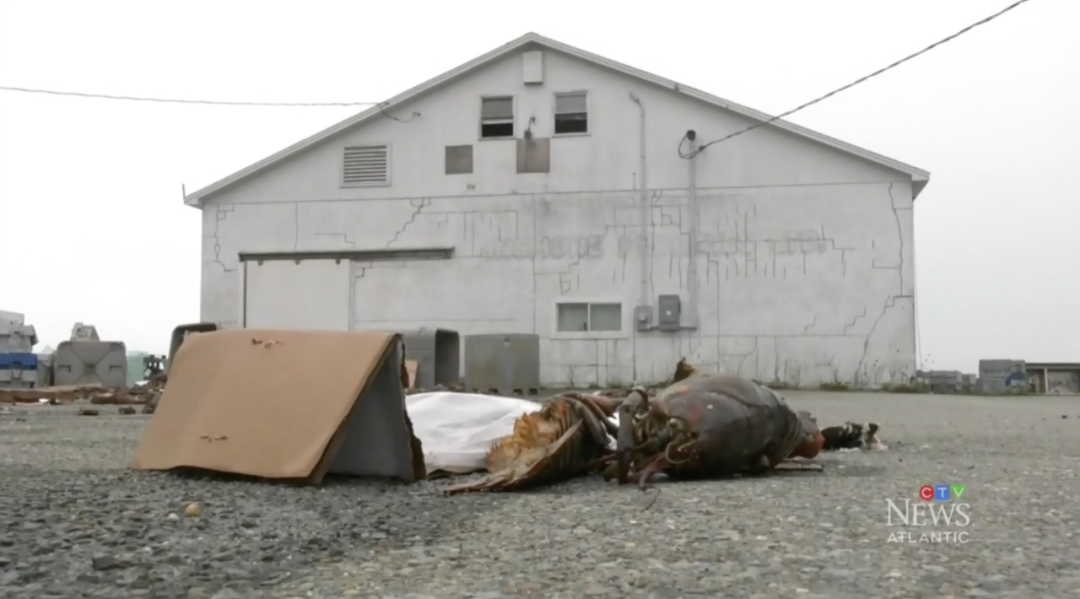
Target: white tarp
457	429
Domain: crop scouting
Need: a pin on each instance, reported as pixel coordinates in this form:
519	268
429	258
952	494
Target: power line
179	100
701	148
354	104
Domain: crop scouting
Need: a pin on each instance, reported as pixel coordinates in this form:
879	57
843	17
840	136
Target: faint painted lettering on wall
571	247
556	247
807	241
504	248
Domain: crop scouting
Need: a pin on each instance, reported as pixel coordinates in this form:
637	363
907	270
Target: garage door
284	294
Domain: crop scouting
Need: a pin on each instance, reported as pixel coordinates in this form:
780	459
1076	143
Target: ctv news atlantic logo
940	516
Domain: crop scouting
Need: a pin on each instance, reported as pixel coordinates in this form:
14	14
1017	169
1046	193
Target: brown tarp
285	405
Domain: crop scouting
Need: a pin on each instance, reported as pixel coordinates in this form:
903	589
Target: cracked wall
797	284
803	258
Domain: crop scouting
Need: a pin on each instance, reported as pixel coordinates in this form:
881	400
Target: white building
509	194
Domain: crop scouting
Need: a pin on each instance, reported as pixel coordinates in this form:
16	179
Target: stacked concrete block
18	365
997	377
16	337
946	382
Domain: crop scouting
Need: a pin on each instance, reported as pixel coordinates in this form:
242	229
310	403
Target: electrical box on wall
642	316
669	309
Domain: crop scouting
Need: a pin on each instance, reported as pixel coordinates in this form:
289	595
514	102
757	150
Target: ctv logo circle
926	493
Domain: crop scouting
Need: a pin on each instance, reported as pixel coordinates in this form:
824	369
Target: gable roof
919	177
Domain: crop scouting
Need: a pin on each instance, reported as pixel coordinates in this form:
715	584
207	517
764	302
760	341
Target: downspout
695	213
646	265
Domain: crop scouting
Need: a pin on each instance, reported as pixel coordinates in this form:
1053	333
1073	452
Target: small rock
237	574
172	517
126	410
4	562
88	412
581	531
105	562
193	510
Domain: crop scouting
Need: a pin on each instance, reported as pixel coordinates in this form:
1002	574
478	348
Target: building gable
370	162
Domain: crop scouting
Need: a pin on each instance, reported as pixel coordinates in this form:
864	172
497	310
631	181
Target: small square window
459	160
571	113
496	117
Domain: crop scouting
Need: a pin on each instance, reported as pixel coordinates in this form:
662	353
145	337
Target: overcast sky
93	228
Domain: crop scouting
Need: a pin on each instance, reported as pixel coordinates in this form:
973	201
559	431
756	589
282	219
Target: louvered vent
366	165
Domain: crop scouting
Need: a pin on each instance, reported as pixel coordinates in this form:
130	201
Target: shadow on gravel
596	484
331	481
842	469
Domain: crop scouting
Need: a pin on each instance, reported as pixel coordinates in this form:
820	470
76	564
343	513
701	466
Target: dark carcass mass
709	425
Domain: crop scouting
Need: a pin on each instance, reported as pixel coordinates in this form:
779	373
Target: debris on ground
703	425
569	436
88	412
51	395
683	370
853	435
126	410
94	393
711	425
193	510
872	441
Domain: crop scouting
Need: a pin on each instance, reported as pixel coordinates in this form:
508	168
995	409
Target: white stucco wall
804	261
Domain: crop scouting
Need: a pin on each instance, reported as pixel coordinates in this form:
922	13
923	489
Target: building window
459	160
579	317
496	117
571	113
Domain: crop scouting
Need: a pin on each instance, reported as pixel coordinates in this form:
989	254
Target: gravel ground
74	522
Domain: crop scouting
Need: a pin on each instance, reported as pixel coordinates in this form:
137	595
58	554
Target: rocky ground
74	522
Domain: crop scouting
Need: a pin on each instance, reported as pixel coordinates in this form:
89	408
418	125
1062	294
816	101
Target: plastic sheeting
456	430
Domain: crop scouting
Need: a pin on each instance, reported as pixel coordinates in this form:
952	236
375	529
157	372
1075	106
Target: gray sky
93	229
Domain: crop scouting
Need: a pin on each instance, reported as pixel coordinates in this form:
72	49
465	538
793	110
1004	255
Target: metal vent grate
366	165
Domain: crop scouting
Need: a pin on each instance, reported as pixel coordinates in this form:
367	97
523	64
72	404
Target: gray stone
105	562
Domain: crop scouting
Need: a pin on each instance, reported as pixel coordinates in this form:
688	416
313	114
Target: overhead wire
682	154
181	100
701	148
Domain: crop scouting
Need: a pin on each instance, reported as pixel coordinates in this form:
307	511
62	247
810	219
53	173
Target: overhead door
286	294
